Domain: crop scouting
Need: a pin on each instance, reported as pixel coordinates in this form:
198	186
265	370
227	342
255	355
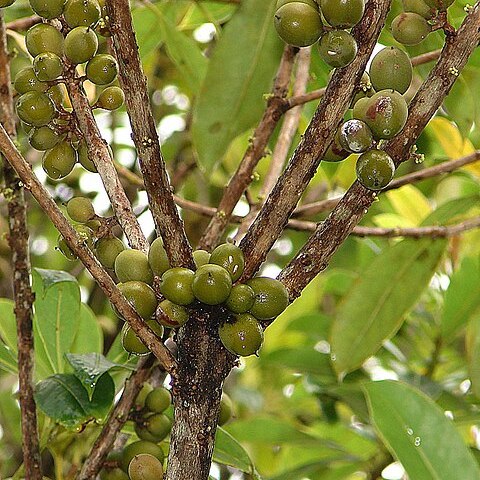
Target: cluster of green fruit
42	103
299	23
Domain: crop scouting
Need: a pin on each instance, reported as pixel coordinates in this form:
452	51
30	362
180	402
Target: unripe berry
230	257
132	344
102	69
35	108
241	299
342	13
133	264
176	285
47	66
356	136
80	209
81	13
141	296
43	138
337	48
375	169
81	44
157	257
410	28
201	257
137	448
111	98
391	68
243	336
271	297
145	467
27	81
176	314
212	284
48	8
44	38
59	161
158	400
107	250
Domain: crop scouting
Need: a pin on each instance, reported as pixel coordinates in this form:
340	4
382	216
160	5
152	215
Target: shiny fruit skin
107	250
133	264
35	108
419	7
145	467
391	68
141	296
47	66
65	249
342	13
212	284
298	24
81	45
142	396
375	169
157	257
81	13
271	297
158	400
410	28
80	209
356	136
241	299
137	448
201	257
226	410
111	98
84	159
177	315
102	69
337	48
158	425
335	152
132	344
26	81
43	138
59	161
48	8
311	3
244	336
44	38
230	257
176	285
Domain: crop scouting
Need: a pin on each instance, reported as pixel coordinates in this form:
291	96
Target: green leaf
378	301
229	452
448	211
240	72
102	398
8	325
418	433
89	337
472	344
8	361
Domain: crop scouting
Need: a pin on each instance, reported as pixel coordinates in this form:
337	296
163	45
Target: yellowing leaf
450	139
410	203
392	220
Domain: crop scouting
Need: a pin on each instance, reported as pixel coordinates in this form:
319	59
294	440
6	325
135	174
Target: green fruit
44	38
67	252
141	296
176	285
27	81
143	433
281	3
84	159
111	98
157	257
356	136
298	24
48	8
132	344
375	169
365	89
441	5
226	410
142	395
57	94
419	7
410	28
47	66
244	336
6	3
335	152
59	161
102	69
177	315
137	448
133	265
158	425
201	257
81	13
158	400
391	68
113	474
86	237
81	44
337	48
271	297
43	138
35	108
385	113
145	467
107	250
241	299
342	13
230	257
212	284
80	209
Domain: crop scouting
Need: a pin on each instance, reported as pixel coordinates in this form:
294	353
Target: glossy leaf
89	336
410	203
229	452
102	398
418	433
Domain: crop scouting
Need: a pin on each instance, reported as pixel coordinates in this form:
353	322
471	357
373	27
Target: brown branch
317	252
116	420
23	295
255	151
22	24
46	202
274	215
167	220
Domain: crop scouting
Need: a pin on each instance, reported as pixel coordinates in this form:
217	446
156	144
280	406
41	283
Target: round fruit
57	94
44	38
410	28
48	8
81	13
177	315
441	5
356	136
145	467
47	66
391	68
111	98
242	337
375	169
59	161
65	249
212	284
143	433
158	400
80	209
85	234
335	152
43	138
84	159
132	344
35	108
157	257
26	81
133	265
6	3
226	410
113	474
230	257
419	7
107	250
241	299
141	296
298	24
342	13
337	48
137	448
81	44
201	257
158	425
281	3
102	69
176	285
271	297
142	396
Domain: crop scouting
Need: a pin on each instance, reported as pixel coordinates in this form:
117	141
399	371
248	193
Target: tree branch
22	24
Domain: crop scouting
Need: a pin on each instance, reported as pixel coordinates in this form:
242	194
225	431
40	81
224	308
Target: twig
255	151
23	24
18	241
132	79
115	421
46	202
